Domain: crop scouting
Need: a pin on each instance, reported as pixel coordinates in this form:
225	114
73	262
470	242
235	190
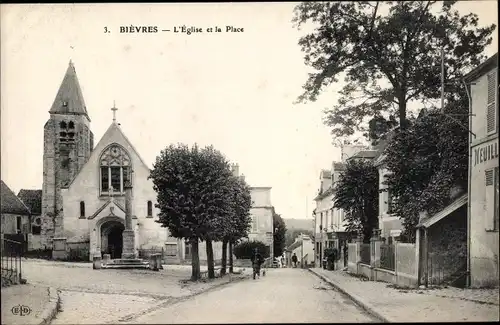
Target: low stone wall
365	270
242	263
384	275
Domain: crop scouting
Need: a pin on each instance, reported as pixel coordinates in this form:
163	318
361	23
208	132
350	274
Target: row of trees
201	200
389	54
427	163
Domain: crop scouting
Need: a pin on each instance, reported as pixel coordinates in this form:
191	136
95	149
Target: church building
83	194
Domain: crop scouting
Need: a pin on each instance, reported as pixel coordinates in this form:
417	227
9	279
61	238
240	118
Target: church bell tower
67	145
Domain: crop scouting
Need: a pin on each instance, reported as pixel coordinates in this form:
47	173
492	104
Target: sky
233	90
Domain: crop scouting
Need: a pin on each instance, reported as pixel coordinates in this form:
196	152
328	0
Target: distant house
483	263
33	200
389	224
330	225
303	248
364	155
16	216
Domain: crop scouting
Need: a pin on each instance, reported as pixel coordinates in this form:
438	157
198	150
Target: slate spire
69	98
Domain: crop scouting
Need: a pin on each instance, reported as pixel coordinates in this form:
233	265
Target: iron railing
11	253
365	254
387	257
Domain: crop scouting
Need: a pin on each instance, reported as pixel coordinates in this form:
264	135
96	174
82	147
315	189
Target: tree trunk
230	257
403	122
224	258
210	259
195	261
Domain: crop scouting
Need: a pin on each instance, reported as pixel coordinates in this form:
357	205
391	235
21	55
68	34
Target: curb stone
364	305
52	307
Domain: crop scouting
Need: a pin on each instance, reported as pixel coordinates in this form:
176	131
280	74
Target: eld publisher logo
21	310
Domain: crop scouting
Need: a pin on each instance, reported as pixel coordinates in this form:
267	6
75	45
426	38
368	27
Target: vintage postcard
249	162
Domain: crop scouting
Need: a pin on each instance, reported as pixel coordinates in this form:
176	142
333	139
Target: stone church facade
83	188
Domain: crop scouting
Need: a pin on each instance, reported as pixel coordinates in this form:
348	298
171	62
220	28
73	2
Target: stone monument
128	233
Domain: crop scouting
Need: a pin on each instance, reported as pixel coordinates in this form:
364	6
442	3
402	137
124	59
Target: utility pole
442	80
302	251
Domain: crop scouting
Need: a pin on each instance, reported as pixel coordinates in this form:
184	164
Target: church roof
116	126
103	143
32	199
11	203
69	98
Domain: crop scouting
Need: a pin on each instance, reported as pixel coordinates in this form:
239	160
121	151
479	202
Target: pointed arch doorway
112	238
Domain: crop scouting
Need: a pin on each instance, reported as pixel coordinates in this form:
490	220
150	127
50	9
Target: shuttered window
255	225
492	199
491	115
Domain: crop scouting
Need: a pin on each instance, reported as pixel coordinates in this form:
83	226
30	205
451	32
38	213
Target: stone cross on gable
114	109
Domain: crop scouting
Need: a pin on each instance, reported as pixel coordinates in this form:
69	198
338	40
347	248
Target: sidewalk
39	304
396	305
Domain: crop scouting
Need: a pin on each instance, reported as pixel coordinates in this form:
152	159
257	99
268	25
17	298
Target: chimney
235	169
242	177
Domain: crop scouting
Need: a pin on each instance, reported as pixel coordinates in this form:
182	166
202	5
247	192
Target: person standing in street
294	260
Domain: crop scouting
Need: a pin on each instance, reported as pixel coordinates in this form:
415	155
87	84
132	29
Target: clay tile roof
32	199
326	173
338	166
11	203
365	154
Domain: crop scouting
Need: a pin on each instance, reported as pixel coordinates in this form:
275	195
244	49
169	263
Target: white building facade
483	190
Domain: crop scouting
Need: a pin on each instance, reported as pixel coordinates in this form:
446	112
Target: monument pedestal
59	251
128	244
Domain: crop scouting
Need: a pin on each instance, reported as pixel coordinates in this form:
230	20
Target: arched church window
82	209
150	209
62	125
115	169
71	125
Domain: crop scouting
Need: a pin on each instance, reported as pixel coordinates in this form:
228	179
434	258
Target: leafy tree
427	161
400	48
279	234
239	222
244	250
191	186
357	193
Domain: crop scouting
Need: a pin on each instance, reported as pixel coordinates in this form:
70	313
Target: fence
365	254
11	253
387	257
393	263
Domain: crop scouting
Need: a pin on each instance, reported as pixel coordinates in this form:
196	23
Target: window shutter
496	194
491	115
490	199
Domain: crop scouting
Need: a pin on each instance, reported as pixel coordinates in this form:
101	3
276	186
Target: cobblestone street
91	296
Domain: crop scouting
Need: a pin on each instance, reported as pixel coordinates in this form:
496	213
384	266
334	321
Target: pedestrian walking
294	260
